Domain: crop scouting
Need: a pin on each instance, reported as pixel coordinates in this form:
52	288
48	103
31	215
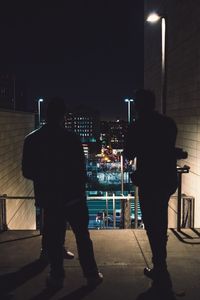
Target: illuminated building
113	133
86	124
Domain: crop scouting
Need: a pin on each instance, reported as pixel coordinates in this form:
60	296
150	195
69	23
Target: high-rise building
85	122
112	133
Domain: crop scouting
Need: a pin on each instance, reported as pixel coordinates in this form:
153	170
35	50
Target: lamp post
128	101
39	113
153	18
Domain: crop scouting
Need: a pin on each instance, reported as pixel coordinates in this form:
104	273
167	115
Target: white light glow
152	18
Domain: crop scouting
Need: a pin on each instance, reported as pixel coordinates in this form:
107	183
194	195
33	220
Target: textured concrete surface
121	256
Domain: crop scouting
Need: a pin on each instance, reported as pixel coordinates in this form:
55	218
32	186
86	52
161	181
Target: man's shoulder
163	117
158	117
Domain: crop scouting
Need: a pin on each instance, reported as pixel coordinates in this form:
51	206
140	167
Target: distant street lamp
153	18
128	101
39	111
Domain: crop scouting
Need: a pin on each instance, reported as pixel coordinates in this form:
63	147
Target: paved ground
121	256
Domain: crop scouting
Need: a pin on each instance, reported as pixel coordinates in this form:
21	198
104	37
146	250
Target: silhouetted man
53	158
44	252
151	140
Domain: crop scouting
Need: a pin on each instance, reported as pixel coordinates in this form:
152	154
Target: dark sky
90	52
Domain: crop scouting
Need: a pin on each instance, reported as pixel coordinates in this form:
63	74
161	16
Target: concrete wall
14	126
183	79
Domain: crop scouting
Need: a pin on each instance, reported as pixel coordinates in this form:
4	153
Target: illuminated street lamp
128	101
39	114
153	18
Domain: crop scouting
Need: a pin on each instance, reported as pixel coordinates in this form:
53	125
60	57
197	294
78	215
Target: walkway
121	256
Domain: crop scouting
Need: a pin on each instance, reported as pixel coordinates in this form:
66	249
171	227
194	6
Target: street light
153	18
39	117
128	101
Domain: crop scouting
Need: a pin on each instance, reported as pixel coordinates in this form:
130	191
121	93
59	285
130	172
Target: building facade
14	126
86	124
112	133
182	79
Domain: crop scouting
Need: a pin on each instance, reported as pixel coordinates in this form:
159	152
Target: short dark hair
56	109
144	100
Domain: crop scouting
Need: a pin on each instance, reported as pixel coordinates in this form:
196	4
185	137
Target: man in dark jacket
53	158
151	140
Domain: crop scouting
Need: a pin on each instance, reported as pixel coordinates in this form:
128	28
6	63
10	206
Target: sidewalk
121	256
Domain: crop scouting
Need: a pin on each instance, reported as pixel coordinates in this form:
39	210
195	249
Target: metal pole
107	209
122	175
114	212
179	202
164	83
129	111
3	225
122	192
39	109
103	216
128	101
38	113
136	207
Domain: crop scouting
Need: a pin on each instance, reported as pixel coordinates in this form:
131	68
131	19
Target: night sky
89	52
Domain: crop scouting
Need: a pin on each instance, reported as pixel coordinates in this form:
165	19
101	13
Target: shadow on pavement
77	294
11	281
19	239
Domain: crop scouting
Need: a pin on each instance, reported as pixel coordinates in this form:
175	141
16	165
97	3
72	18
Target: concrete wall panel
14	126
183	79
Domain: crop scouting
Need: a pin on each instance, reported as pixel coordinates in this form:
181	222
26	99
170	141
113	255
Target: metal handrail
5	197
187	211
3	217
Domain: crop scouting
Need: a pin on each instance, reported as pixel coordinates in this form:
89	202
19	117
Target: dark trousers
54	229
154	207
44	240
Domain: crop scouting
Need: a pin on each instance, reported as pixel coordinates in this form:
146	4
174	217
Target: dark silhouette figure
156	292
44	250
151	140
53	158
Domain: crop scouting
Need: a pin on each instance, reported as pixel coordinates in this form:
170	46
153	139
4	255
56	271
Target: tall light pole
153	18
39	111
128	101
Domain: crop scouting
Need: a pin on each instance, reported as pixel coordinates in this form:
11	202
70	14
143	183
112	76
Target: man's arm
27	160
79	163
129	145
172	131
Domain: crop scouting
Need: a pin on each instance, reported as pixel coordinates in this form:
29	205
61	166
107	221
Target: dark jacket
151	139
53	158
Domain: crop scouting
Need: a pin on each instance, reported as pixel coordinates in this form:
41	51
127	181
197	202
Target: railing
113	217
109	217
3	208
115	211
187	213
180	171
3	222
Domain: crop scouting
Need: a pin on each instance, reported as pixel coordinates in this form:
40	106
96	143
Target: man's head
56	110
144	101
